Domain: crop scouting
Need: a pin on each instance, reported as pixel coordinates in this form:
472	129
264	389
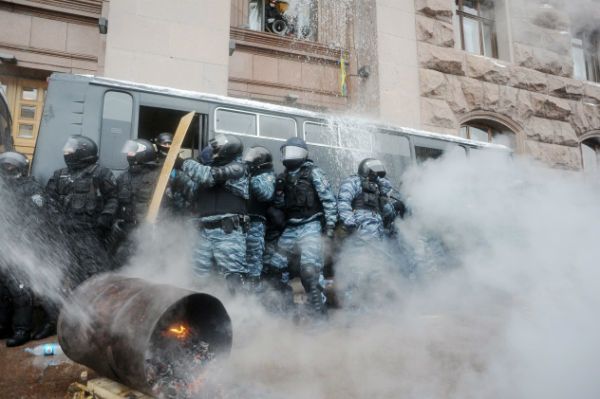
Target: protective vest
78	193
136	188
256	207
301	199
369	197
218	200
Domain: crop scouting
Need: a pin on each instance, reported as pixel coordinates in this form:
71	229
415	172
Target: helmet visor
218	141
292	152
70	146
132	147
376	168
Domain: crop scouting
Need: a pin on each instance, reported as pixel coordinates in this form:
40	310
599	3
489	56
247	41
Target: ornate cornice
270	44
285	86
84	11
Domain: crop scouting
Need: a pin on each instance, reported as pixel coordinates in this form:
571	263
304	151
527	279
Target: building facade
523	73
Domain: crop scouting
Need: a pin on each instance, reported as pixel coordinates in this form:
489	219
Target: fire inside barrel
157	339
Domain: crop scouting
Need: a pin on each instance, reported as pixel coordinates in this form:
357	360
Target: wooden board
163	178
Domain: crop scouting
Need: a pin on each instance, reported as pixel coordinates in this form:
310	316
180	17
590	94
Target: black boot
46	330
19	338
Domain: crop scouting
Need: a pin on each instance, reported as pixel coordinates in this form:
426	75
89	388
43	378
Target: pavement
23	375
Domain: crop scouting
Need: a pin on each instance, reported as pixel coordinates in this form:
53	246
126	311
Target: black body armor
369	198
301	199
134	190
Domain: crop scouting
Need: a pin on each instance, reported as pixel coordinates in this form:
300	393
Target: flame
179	331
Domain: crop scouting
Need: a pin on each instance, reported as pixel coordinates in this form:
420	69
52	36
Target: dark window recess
154	121
477	27
117	116
424	153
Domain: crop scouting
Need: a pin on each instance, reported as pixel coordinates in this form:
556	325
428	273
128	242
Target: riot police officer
163	143
135	188
26	199
86	194
218	196
367	206
307	199
262	187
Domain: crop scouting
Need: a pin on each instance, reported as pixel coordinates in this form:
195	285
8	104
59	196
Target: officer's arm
326	196
200	175
348	191
394	206
108	189
263	186
279	196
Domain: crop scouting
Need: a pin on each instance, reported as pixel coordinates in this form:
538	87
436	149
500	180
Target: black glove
279	184
400	208
105	221
178	163
227	172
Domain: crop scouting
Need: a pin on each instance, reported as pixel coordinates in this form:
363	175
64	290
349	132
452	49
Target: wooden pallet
103	388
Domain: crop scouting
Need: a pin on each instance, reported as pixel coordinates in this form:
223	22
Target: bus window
320	133
229	121
424	153
117	114
5	124
355	138
276	127
394	151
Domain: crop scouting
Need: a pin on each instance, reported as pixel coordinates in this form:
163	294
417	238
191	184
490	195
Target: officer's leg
255	242
230	256
279	264
311	264
5	308
22	314
203	253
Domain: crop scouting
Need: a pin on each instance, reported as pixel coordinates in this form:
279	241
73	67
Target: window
489	132
229	121
322	134
276	127
296	19
358	139
477	27
586	56
117	121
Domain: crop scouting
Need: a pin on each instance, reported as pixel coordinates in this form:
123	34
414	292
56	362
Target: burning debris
176	364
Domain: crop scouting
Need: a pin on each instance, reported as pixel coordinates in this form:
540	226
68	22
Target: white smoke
513	314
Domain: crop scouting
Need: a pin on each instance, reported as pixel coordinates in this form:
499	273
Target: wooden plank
103	388
163	179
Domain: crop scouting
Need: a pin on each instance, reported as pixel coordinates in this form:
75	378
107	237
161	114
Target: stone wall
548	110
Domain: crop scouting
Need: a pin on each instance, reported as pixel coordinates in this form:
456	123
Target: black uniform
87	199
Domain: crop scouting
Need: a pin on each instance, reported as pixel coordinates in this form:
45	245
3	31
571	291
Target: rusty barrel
116	325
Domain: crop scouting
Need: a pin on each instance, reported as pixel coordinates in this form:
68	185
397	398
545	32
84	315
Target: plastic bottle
49	349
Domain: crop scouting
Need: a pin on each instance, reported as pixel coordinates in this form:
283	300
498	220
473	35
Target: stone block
455	96
473	92
487	69
552	132
524	106
437	113
434	32
564	87
432	84
438	9
551	18
528	79
440	59
491	96
550	107
542	60
48	34
592	93
555	155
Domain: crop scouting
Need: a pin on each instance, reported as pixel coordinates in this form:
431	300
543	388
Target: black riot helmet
259	159
80	151
225	149
13	165
371	168
139	152
163	143
294	153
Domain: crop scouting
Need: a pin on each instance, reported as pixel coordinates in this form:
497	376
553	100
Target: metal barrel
112	324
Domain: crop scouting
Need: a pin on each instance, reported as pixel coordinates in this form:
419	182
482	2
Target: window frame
257	116
590	47
337	127
480	22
